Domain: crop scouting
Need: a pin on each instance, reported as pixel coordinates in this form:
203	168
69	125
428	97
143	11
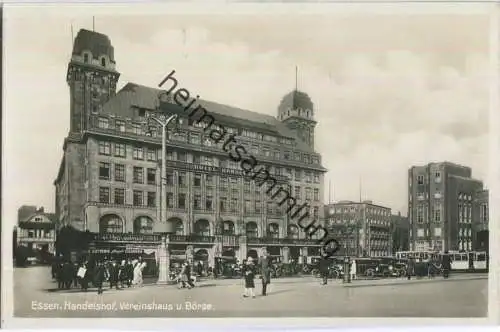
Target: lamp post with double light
163	122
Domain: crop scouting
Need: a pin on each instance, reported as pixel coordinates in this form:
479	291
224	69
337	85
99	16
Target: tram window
481	257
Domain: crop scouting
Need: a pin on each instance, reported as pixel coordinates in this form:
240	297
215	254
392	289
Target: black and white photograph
246	164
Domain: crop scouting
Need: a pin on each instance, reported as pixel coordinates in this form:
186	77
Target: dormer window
86	58
103	62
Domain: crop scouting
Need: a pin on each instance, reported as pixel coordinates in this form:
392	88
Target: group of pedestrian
185	278
119	276
250	270
432	266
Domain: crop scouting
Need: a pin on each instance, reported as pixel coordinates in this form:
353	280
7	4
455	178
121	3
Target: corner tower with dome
108	183
296	111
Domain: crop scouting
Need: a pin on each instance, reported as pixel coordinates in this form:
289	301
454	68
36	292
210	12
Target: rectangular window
269	207
223	182
223	204
298	175
286	155
181	156
170	200
137	129
103	123
276	154
437	213
170	155
197	180
316	178
138	198
209	203
104	195
316	194
209	180
104	171
266	152
248	206
297	156
257	206
151	154
197	202
196	159
234	205
120	125
246	185
420	214
297	192
420	179
151	199
308	193
182	201
119	196
120	150
138	153
119	173
181	179
138	175
151	176
170	179
315	212
105	148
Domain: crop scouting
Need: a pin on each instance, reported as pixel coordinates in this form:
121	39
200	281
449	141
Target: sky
389	91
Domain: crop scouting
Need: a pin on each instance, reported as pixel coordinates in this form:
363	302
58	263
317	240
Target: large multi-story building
481	219
109	178
36	229
440	204
400	233
364	228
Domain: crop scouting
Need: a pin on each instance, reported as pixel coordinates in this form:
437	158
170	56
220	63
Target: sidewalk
400	281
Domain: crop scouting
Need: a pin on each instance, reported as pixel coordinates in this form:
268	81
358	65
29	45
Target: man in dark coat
68	274
265	271
410	267
324	265
188	274
100	274
129	270
114	275
446	264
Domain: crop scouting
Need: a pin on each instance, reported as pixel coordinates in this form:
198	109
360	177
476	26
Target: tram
460	261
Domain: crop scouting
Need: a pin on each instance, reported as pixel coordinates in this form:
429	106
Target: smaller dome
294	100
97	43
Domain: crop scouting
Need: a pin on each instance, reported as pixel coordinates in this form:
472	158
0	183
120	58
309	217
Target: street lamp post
164	255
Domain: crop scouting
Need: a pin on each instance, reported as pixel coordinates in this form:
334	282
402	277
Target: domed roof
97	43
296	99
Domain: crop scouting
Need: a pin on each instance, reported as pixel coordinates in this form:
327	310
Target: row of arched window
112	223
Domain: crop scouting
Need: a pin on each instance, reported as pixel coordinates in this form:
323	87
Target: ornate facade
109	178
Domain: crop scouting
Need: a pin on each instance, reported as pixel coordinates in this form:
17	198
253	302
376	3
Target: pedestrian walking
324	265
100	274
410	267
68	273
123	274
182	279
353	270
248	270
138	268
446	264
265	271
114	275
189	275
129	271
82	276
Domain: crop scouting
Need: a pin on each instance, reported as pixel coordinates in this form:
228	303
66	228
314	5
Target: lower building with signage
108	182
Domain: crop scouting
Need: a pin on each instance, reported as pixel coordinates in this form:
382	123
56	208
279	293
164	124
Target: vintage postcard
248	162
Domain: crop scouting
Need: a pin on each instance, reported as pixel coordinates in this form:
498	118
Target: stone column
243	248
285	252
163	261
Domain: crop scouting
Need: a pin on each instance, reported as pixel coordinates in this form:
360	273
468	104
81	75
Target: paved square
288	298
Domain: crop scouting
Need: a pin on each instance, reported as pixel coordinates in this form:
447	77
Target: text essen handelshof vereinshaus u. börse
248	163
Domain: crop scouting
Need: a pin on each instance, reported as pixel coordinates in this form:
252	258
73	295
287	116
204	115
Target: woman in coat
248	271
